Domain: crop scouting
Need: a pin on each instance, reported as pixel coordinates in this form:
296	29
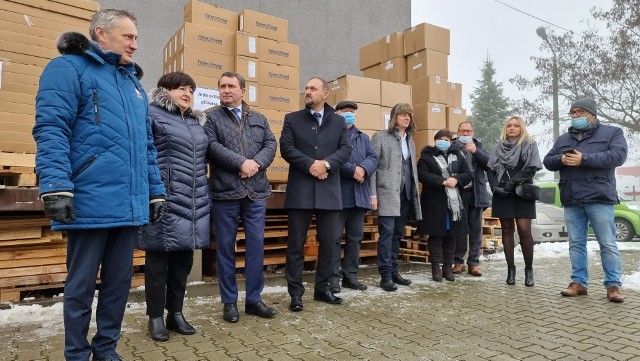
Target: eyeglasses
577	112
465	131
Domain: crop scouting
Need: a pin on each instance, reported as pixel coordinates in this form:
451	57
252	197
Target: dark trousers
391	230
165	280
87	249
226	216
329	233
353	223
441	250
474	218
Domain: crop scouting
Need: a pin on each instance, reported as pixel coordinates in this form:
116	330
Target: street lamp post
542	33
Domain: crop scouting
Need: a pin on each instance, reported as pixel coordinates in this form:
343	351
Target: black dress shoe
177	322
114	357
386	283
327	296
230	312
397	279
157	330
296	304
354	284
260	309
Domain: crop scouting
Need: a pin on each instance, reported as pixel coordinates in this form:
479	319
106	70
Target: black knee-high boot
448	246
435	256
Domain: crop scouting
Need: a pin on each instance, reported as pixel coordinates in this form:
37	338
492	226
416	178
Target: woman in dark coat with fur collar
182	147
442	174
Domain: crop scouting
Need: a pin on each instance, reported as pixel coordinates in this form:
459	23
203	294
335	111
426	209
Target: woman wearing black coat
442	174
182	147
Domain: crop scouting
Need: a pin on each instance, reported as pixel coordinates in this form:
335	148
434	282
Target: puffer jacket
182	157
356	194
603	148
94	137
230	144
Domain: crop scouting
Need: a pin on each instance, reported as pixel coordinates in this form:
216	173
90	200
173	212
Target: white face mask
464	139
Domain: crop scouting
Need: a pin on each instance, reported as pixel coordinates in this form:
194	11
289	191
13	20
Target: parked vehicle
627	213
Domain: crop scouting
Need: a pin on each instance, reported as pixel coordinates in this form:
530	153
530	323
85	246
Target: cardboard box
426	63
246	44
205	38
278	171
430	89
50	10
424	137
385	116
426	36
454	94
247	67
263	25
201	13
394	93
37	20
278	52
392	46
303	105
198	62
83	4
455	116
430	116
394	70
22	47
370	54
373	72
285	100
355	88
275	118
279	76
251	94
368	116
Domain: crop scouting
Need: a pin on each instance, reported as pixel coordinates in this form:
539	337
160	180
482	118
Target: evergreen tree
489	107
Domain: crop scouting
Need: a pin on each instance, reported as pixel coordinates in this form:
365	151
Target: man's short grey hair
107	19
325	85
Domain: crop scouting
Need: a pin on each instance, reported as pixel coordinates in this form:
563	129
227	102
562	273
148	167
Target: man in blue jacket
587	156
99	179
356	189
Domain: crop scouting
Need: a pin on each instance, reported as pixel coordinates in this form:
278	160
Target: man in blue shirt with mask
587	157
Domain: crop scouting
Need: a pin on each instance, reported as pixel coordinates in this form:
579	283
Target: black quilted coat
182	148
230	144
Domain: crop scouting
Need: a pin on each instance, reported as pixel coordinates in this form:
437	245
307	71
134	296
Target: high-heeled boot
447	272
511	275
528	277
436	272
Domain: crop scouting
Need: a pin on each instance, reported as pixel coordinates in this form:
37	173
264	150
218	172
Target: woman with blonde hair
515	160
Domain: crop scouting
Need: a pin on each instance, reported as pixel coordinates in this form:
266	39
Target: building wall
329	32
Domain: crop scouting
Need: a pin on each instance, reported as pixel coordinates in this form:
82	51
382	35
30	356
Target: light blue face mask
464	139
443	145
349	118
580	123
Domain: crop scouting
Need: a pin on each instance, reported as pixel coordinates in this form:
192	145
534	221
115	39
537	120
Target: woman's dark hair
443	133
175	80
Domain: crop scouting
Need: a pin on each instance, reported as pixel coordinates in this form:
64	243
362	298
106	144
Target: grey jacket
386	180
230	144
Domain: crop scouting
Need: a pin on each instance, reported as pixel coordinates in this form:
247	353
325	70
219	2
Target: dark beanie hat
587	104
346	104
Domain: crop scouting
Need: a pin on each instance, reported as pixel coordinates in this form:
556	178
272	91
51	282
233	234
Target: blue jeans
601	218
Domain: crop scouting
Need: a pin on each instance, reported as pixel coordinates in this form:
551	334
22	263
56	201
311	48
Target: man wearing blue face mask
356	190
586	157
475	198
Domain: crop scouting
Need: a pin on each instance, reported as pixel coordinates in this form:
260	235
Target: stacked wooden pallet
413	247
17	169
491	232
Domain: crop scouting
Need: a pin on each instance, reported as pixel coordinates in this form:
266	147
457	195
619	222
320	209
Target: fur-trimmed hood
72	42
161	98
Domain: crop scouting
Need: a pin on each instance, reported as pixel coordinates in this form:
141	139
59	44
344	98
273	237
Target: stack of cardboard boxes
419	57
28	34
213	40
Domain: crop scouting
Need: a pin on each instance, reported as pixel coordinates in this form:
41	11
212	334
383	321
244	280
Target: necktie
318	117
236	112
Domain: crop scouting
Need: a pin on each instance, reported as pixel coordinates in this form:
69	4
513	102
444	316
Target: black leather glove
59	208
500	192
510	186
156	211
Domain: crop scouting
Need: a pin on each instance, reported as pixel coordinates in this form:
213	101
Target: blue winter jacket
356	194
182	157
94	138
603	148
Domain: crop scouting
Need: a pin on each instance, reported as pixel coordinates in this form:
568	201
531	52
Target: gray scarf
505	155
453	195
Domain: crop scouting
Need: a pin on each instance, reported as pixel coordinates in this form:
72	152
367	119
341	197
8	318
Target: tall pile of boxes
213	40
418	57
28	34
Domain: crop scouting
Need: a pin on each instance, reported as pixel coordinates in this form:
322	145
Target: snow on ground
50	317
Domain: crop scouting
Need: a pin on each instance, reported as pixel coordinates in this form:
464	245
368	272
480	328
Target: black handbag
528	192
